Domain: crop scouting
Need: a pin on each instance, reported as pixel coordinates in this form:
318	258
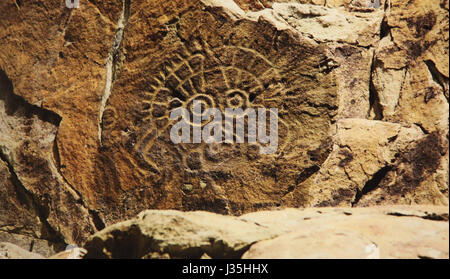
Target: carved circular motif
224	77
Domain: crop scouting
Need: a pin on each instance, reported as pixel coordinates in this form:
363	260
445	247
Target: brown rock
361	88
206	56
367	155
59	81
410	77
33	184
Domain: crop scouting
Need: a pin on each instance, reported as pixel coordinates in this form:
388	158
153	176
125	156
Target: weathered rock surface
377	232
375	162
361	88
71	253
156	233
32	185
11	251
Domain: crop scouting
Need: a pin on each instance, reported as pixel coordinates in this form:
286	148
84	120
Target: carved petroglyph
227	77
211	174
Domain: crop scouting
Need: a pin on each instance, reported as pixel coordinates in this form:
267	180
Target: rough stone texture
410	77
206	56
370	157
11	251
380	232
361	88
320	244
75	253
377	232
49	59
30	243
33	185
177	234
417	176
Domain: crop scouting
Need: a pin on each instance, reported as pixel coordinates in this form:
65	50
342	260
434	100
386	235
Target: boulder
11	251
375	232
365	233
175	234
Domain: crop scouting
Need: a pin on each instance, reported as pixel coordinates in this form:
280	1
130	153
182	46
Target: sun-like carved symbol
136	127
225	77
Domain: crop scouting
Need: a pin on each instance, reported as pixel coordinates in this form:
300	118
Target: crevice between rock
371	184
438	77
113	61
375	106
424	131
48	233
13	102
427	216
95	218
385	29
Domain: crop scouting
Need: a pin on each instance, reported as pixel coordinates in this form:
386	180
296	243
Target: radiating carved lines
172	7
228	76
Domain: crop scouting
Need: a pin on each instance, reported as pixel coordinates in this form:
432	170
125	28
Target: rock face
368	233
223	65
383	163
11	251
377	232
36	199
176	234
70	254
361	89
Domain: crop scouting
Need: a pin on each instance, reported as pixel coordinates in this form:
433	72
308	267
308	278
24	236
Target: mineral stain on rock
421	161
361	89
227	70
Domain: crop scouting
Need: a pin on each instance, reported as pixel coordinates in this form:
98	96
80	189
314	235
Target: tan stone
416	177
325	244
384	232
75	253
78	108
324	24
11	251
377	232
363	152
176	234
410	75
